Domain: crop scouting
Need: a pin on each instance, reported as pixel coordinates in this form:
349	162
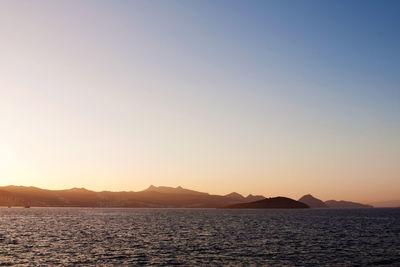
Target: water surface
70	236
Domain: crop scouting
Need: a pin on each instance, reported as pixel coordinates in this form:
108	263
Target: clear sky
262	97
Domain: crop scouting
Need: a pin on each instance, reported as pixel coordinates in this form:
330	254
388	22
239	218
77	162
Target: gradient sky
262	97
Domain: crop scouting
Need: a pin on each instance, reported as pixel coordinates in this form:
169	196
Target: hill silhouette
312	201
241	198
317	203
270	203
235	195
173	190
152	197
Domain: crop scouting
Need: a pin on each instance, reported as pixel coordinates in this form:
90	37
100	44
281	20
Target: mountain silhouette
317	203
312	201
251	198
173	190
241	198
270	203
235	195
152	197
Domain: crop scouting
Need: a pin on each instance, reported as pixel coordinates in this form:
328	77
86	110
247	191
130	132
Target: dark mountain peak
235	195
270	203
251	197
312	201
171	190
151	188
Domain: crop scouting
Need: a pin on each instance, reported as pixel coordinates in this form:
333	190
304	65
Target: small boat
27	207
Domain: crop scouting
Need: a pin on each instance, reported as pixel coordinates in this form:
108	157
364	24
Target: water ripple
49	236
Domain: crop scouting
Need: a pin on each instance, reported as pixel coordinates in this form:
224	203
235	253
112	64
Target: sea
199	237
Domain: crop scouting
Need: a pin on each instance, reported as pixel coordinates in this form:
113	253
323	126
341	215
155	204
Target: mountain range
152	197
317	203
157	197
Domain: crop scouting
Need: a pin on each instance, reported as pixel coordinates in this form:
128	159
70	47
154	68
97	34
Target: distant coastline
153	197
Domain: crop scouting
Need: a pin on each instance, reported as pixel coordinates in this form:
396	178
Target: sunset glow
255	97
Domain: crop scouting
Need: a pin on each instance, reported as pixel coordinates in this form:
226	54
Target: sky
263	97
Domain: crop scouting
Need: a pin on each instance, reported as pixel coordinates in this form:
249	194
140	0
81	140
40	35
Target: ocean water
75	236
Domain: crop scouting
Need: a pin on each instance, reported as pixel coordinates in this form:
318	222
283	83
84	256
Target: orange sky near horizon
277	100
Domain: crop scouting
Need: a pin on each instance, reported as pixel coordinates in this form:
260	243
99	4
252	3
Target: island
270	203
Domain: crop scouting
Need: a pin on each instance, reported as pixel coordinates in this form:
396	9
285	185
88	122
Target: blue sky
267	97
